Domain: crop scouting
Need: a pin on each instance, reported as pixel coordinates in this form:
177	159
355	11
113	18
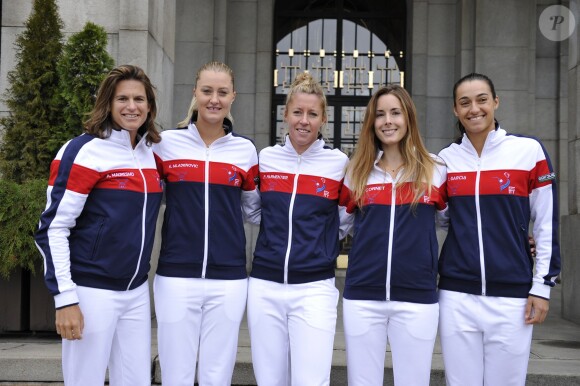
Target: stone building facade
435	42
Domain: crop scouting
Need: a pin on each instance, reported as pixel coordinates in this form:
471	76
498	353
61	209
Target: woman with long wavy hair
392	191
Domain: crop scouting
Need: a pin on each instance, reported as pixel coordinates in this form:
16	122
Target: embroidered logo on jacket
123	182
547	177
233	176
504	183
270	180
121	178
372	192
320	187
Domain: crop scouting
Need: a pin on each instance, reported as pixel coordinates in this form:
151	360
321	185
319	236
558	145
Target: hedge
20	209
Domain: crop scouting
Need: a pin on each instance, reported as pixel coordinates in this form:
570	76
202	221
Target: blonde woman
201	280
392	191
292	298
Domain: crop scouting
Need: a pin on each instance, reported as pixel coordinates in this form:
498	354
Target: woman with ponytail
491	291
292	298
201	280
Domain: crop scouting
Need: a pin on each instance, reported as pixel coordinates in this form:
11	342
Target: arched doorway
351	47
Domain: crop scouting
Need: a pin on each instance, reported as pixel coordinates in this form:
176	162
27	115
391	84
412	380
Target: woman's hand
532	246
70	322
536	310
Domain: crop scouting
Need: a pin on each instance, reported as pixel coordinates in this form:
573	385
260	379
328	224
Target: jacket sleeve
251	201
346	207
68	188
440	184
544	214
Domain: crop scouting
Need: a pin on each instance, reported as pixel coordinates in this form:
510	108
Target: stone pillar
241	54
194	46
14	14
570	242
248	52
432	62
508	62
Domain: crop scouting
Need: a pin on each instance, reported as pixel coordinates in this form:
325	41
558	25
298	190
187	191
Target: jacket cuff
540	290
66	298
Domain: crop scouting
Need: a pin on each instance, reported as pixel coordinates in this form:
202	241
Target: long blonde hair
211	66
418	163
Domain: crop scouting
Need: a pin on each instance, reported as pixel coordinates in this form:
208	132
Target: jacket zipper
391	233
143	217
290	213
479	232
206	213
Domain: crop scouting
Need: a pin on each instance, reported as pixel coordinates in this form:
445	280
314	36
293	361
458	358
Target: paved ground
554	358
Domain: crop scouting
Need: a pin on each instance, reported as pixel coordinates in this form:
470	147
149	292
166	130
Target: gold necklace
387	168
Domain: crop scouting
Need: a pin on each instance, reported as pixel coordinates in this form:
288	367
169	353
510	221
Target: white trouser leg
299	316
365	332
130	362
268	326
311	326
178	313
223	311
461	339
484	339
198	315
85	361
506	341
410	329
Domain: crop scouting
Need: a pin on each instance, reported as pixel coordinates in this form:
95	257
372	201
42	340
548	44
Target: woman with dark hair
392	191
97	232
491	291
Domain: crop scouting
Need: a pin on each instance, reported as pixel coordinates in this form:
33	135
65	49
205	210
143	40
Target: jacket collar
313	148
493	138
123	137
227	125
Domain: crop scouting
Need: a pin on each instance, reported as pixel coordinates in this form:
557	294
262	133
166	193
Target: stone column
570	226
248	51
195	37
433	52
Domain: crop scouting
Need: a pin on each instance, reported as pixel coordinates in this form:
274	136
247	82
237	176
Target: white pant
484	339
198	316
117	333
409	328
292	331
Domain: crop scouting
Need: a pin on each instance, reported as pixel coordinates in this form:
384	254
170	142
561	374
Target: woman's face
475	107
304	116
390	121
130	108
215	94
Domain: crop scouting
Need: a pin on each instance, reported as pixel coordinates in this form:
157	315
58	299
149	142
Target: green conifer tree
81	68
25	149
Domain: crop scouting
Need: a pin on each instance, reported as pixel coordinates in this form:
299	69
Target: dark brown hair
468	78
100	121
